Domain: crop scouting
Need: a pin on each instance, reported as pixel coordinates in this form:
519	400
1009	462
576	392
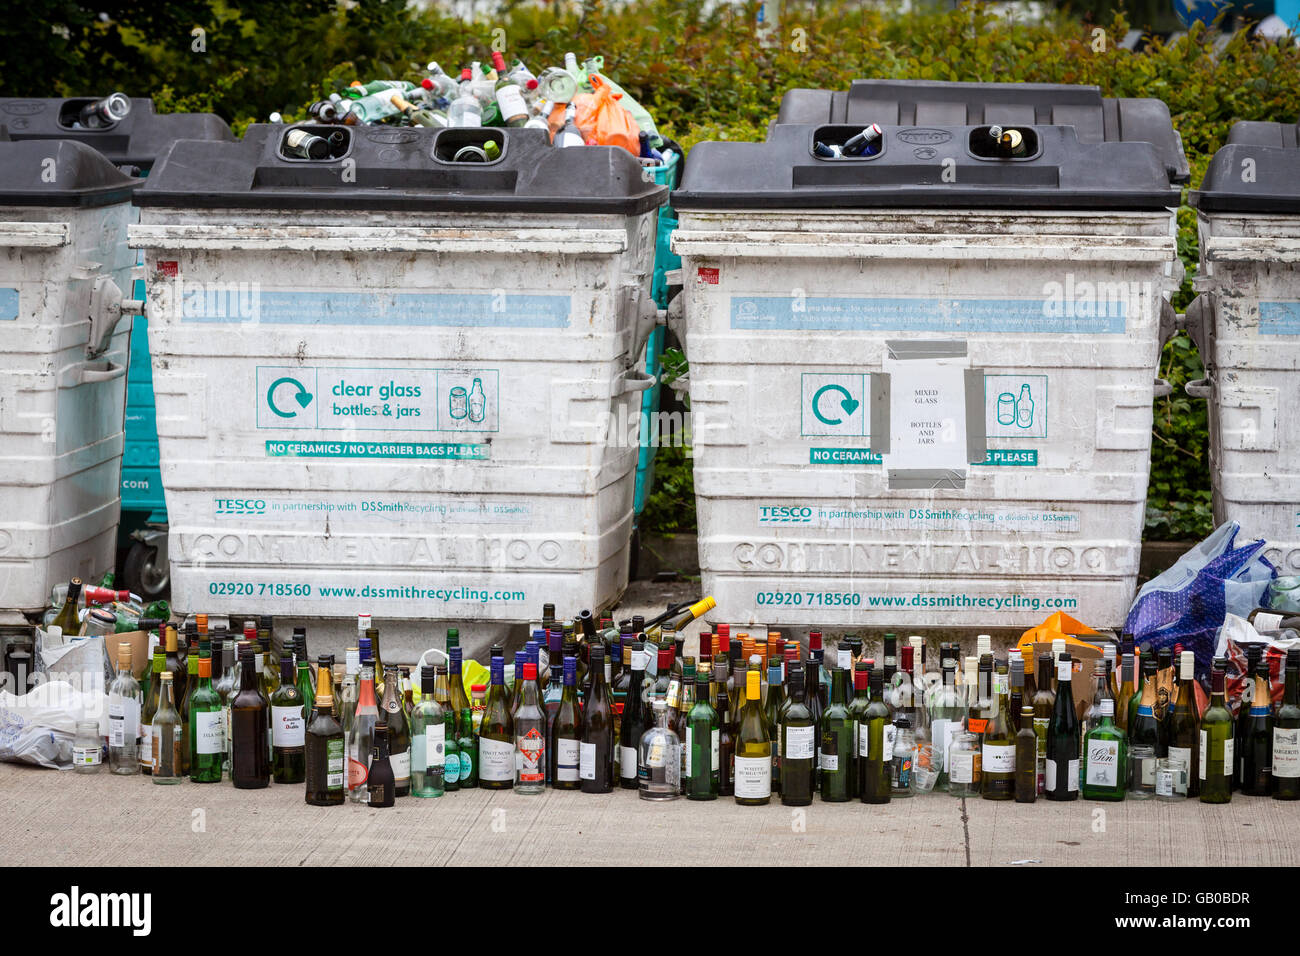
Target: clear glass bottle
530	736
660	761
87	747
901	767
429	740
167	736
124	700
963	758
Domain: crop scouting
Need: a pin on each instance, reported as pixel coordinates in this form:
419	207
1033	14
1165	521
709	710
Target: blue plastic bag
1187	603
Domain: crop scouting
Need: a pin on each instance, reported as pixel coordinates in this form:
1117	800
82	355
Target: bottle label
532	757
941	732
1286	752
466	761
714	748
626	762
961	766
800	743
146	745
287	727
844	658
358	773
434	740
401	764
587	761
85	756
1180	757
828	761
686	751
999	758
1267	622
1229	750
1040	730
1001	683
1103	763
567	759
210	736
510	99
753	777
891	736
1063	670
123	719
334	762
864	737
496	760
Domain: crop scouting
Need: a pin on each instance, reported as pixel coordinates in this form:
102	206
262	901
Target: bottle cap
530	671
427	83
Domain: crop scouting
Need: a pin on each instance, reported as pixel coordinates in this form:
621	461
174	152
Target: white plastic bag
38	727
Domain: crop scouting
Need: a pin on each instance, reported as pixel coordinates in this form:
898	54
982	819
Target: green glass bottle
496	739
873	763
467	751
1215	762
304	677
703	736
797	742
753	759
428	740
1063	737
998	751
835	756
207	735
774	704
1286	734
326	748
857	714
1105	756
288	729
67	616
1183	736
191	682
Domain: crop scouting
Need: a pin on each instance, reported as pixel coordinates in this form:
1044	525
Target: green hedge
703	75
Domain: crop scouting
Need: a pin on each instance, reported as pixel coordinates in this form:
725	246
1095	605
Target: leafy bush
700	71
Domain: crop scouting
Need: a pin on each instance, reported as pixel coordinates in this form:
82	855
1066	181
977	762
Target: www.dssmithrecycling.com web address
954	601
465	595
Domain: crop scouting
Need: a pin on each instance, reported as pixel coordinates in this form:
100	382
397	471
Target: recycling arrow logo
848	403
300	395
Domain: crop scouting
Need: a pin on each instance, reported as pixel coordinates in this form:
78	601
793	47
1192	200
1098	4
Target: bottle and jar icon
1016	410
470	405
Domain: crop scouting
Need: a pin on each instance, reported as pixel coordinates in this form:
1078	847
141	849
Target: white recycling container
64	266
1246	323
396	383
921	379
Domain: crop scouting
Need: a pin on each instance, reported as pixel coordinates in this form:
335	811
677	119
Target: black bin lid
1257	170
402	169
135	140
60	173
1090	152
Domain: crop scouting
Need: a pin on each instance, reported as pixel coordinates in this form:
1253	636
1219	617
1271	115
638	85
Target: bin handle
1163	389
89	373
633	380
1201	388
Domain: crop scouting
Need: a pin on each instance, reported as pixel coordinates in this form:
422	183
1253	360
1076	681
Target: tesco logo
783	514
241	506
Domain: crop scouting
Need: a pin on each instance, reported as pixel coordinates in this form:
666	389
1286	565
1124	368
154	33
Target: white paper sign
927	414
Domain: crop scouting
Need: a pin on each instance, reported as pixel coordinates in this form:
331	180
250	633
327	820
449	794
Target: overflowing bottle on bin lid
577	104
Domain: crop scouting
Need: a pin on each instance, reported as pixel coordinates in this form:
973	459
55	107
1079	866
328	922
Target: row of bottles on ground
593	706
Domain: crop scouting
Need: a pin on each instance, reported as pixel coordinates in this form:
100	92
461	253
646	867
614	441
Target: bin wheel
144	575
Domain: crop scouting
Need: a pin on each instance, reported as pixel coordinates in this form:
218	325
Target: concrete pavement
62	818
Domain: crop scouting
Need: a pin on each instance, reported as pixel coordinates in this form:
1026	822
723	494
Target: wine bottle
797	746
1241	722
1215	765
1286	734
874	776
683	713
633	724
429	740
753	757
496	740
835	758
326	749
67	618
726	745
303	674
1146	739
167	736
207	733
1026	758
947	714
564	733
702	745
1063	738
124	717
857	713
288	729
1127	690
380	780
596	749
250	764
998	752
1257	764
151	702
392	711
1164	680
530	736
176	667
1182	735
361	735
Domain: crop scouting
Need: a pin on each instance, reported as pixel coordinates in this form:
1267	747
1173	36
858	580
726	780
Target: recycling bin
133	142
63	267
922	377
394	381
1246	323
